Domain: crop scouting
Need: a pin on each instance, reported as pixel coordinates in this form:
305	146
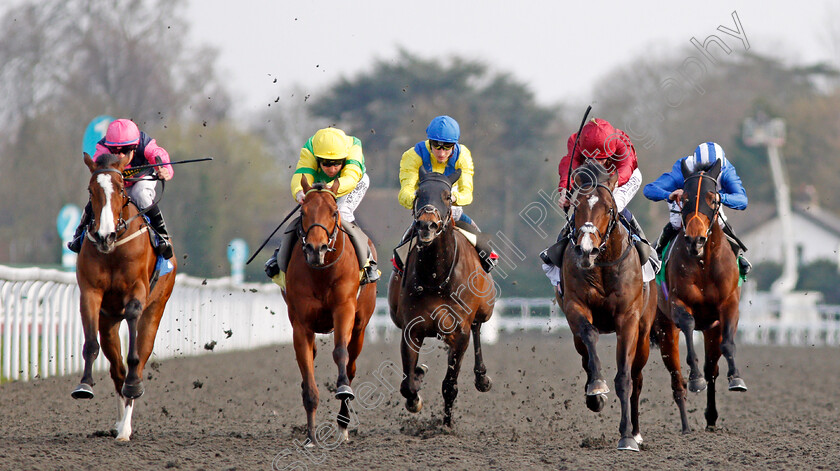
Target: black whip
294	210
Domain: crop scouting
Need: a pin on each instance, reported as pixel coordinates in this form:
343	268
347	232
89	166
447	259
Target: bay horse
323	295
603	292
443	292
114	269
700	292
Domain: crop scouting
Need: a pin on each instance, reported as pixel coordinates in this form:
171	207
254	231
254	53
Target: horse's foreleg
133	386
627	332
482	381
639	362
669	346
304	342
729	324
711	339
90	303
410	346
343	318
685	322
353	349
109	334
586	338
457	348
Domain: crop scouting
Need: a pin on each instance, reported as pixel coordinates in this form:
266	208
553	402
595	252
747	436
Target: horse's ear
334	187
686	172
454	176
612	180
714	170
304	182
89	162
422	172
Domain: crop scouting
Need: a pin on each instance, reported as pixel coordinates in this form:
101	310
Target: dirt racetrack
243	410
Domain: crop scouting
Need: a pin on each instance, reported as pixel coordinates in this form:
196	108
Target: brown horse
443	293
700	292
604	293
323	295
114	269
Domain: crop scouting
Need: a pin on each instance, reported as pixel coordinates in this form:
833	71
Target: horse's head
107	198
319	219
433	204
595	211
700	205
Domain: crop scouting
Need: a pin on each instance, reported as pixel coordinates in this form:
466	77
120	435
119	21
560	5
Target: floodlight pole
771	134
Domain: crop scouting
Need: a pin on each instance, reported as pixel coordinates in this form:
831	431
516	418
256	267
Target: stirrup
744	266
369	275
271	266
75	245
164	248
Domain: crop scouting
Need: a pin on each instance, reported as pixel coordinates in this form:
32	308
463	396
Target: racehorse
114	271
700	292
444	292
604	293
323	295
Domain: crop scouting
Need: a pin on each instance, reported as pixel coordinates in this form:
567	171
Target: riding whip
294	210
574	149
134	170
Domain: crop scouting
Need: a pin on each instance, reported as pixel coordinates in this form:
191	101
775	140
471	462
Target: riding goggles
330	163
441	145
121	149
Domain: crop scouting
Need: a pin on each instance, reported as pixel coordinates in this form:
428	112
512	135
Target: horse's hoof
697	385
711	428
737	384
133	391
597	388
628	443
82	391
421	371
126	438
414	406
483	383
344	392
596	403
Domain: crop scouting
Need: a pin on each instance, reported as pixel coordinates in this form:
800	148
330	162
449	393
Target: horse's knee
90	350
133	309
450	390
310	397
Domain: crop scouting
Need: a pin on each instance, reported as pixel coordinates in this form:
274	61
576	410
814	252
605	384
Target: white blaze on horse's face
587	230
592	200
107	224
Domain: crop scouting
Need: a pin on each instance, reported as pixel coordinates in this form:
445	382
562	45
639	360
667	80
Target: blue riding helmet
706	153
444	129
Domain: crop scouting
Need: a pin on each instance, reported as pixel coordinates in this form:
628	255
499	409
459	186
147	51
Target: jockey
611	147
732	194
442	153
124	138
328	155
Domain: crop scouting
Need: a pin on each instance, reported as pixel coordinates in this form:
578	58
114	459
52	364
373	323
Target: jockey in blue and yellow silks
327	156
442	153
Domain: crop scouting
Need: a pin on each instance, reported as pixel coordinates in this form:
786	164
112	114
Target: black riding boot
553	255
279	262
75	245
164	249
744	265
642	245
667	235
363	252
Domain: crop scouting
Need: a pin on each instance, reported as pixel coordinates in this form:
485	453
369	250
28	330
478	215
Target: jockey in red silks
612	148
124	138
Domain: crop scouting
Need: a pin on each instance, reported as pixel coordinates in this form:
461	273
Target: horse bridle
122	224
715	210
591	227
333	235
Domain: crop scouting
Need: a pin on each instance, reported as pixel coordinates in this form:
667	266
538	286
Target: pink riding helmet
122	132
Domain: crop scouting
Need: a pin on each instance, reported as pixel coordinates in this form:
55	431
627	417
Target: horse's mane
107	160
319	186
591	174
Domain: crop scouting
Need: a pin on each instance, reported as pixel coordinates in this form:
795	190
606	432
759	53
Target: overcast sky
559	49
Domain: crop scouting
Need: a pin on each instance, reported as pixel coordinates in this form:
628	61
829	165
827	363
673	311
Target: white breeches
348	203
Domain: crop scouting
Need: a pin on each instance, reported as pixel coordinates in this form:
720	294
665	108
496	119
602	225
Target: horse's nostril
578	250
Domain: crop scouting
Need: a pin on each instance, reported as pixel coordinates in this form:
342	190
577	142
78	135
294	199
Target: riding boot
642	244
363	253
553	255
75	245
667	235
279	262
744	265
164	248
489	258
402	249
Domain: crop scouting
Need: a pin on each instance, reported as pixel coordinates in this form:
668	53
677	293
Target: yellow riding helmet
330	144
